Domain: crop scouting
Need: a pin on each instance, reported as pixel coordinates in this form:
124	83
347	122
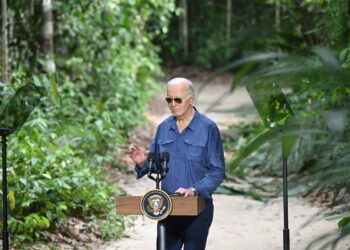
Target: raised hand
138	154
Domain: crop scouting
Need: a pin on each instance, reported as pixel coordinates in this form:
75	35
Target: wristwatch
194	190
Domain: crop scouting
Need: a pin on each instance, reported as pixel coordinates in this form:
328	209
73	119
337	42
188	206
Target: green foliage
50	182
209	44
332	240
30	225
111	226
344	222
254	28
319	130
339	12
270	103
273	136
105	64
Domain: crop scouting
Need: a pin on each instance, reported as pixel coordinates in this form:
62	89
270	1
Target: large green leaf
251	61
344	222
287	133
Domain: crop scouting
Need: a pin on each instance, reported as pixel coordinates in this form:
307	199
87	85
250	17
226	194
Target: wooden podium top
190	206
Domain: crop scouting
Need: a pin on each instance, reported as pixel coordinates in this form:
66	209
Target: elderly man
196	163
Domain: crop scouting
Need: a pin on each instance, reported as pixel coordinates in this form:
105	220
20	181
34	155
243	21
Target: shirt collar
192	125
194	121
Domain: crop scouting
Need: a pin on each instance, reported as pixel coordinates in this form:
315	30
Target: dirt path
239	223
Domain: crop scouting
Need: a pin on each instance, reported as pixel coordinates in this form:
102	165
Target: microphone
165	160
151	158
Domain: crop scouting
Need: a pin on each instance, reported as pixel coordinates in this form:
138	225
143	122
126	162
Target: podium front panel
185	206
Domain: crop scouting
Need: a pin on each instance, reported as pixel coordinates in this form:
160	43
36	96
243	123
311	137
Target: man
196	163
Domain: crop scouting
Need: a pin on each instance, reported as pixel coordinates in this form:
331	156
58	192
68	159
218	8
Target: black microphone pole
286	240
162	229
5	233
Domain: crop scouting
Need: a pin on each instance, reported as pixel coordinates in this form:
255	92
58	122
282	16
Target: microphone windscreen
165	156
151	156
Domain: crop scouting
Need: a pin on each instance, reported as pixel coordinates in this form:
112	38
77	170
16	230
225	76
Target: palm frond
251	59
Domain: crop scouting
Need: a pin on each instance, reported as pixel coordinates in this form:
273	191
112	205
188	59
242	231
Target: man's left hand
186	192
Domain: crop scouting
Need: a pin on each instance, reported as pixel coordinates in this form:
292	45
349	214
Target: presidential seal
156	204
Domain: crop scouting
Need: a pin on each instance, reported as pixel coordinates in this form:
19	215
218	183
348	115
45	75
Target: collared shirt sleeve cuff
140	171
203	193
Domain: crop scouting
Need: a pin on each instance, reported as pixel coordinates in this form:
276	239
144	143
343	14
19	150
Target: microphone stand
160	175
286	243
5	234
265	96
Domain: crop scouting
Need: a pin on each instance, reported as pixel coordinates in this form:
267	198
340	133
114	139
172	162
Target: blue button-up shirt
196	157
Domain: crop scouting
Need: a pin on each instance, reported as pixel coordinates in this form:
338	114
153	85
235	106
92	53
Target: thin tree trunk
48	45
4	61
31	7
228	20
278	15
184	26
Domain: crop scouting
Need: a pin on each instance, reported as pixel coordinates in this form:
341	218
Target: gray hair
177	80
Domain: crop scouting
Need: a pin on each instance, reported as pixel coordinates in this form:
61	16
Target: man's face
179	99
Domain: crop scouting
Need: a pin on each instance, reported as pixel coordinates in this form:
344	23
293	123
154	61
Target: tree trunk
347	33
48	45
31	8
228	20
184	26
4	61
278	15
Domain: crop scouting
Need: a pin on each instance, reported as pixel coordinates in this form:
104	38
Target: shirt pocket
166	146
196	150
196	154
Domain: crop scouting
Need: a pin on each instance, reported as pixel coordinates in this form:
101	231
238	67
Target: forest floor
240	223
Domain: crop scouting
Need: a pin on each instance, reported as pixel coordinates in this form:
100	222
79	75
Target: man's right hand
138	154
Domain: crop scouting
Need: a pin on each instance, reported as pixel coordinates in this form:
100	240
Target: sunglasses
176	99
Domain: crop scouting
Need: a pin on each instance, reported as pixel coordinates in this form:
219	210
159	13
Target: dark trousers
188	231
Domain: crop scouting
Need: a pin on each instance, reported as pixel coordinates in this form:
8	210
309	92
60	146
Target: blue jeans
188	231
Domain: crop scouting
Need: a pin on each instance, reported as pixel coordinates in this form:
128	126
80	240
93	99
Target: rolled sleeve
141	171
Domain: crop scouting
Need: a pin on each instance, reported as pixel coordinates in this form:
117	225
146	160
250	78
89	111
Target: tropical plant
318	132
237	29
105	63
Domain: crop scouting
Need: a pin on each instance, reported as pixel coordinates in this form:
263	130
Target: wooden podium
156	204
185	206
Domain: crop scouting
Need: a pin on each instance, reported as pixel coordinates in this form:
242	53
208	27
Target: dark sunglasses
178	100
